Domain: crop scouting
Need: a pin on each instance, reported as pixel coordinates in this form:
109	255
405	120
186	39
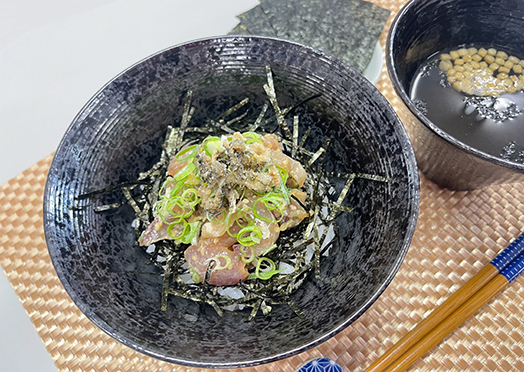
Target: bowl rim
413	205
404	96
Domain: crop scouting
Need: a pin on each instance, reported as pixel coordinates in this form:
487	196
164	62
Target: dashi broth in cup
118	135
462	141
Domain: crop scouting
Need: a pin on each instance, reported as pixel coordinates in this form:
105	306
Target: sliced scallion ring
194	275
189	234
266	272
249	235
185	172
187	153
283	177
241	217
244	251
211	144
252	137
168	216
227	226
175	190
182	233
164	190
190	197
218	262
269	249
271	202
187	210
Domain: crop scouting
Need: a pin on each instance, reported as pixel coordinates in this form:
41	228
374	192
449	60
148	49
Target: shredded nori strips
299	249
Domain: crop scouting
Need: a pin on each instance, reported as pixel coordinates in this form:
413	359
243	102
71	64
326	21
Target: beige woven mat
457	233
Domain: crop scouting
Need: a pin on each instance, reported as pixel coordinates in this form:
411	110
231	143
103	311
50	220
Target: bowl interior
118	134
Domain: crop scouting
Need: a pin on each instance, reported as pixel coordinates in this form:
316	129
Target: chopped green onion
182	233
252	137
183	154
254	237
274	200
283	178
176	190
269	249
217	261
187	210
194	228
187	202
168	216
188	232
241	217
227	226
194	275
267	166
211	144
190	197
185	172
164	212
167	192
268	272
244	250
163	189
271	201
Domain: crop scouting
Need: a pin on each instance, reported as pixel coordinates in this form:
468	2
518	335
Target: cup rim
404	96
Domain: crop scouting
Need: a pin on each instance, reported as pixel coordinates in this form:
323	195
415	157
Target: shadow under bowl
118	134
423	28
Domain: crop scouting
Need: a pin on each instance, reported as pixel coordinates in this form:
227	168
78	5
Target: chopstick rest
496	267
320	365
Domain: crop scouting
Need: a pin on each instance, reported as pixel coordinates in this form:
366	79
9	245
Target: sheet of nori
295	19
256	22
359	26
346	29
239	29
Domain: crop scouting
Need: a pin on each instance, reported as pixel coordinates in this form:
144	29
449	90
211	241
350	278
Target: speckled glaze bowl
423	28
118	134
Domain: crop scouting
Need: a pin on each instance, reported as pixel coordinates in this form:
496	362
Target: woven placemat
457	233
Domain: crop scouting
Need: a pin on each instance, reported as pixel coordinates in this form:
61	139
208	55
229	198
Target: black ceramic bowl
425	27
118	134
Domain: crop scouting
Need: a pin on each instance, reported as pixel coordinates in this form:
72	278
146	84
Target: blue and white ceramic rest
320	365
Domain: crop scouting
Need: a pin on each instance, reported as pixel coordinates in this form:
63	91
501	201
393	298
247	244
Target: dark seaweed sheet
255	22
346	29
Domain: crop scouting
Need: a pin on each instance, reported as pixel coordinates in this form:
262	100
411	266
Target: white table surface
54	55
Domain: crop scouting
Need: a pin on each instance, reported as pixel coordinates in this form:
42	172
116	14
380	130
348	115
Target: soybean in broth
493	124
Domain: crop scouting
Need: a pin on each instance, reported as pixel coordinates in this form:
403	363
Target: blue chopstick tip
508	255
514	269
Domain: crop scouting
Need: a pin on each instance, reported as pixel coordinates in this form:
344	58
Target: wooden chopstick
451	304
450	314
468	308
